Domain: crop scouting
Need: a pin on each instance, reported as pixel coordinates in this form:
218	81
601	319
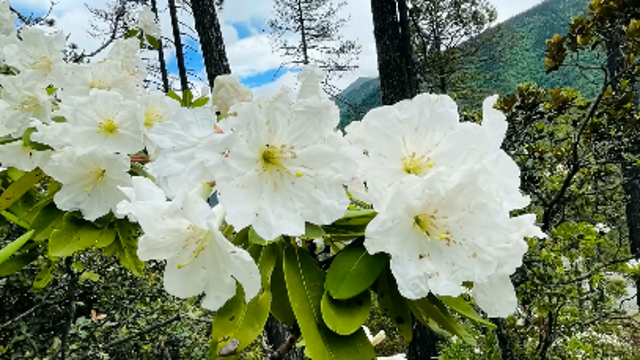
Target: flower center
198	240
108	127
151	118
429	226
98	176
30	104
42	63
100	85
416	165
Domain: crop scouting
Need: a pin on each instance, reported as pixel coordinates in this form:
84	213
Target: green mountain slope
522	62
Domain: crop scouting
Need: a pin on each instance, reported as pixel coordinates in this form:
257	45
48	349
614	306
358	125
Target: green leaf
18	262
47	220
187	97
345	317
432	309
19	188
393	304
88	275
33	213
356	217
44	277
462	307
14	246
127	247
256	239
239	322
131	33
76	235
153	42
172	94
200	102
353	271
51	90
313	231
280	304
305	286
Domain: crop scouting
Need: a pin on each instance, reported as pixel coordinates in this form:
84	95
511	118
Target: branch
71	309
597	270
30	311
575	168
288	345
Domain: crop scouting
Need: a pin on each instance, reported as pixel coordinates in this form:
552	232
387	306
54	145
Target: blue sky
243	23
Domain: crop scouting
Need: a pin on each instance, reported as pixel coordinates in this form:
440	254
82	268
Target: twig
73	282
30	311
288	345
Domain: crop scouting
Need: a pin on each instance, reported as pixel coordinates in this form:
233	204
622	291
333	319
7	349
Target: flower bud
227	91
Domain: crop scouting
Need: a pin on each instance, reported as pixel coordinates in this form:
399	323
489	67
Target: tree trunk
424	345
177	41
161	60
277	334
406	49
394	83
505	341
211	41
303	34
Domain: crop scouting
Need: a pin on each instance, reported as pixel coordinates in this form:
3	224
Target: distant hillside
523	62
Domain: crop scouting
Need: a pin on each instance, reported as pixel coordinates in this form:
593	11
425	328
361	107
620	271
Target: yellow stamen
151	118
299	174
108	127
100	85
416	165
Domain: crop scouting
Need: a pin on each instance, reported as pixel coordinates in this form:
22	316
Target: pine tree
210	35
446	40
316	26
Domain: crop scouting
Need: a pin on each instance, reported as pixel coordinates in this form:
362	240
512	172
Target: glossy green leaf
127	245
88	275
313	231
76	235
305	286
153	42
254	238
47	220
19	188
131	33
44	277
172	94
187	97
432	309
393	304
18	262
356	217
237	323
353	271
200	102
14	246
32	214
345	317
462	307
280	304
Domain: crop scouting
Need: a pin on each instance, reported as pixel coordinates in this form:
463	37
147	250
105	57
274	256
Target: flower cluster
443	190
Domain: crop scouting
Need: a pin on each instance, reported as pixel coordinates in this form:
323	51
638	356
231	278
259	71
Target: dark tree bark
177	41
163	64
406	49
211	41
394	82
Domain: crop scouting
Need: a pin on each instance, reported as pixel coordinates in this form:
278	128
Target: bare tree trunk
394	83
303	33
406	49
177	40
163	63
211	40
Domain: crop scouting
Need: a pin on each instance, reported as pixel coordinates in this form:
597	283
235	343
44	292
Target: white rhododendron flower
104	119
16	154
81	79
227	91
155	108
176	167
7	18
90	179
282	166
409	139
24	97
147	22
186	233
38	51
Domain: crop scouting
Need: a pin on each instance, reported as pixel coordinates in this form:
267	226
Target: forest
478	199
